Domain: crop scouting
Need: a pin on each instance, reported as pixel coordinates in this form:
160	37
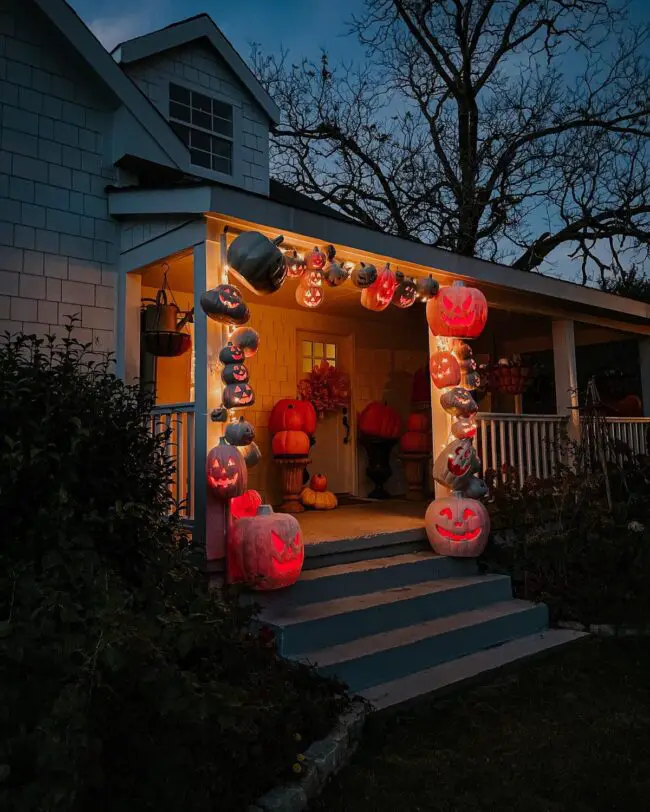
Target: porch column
127	338
207	389
644	373
566	376
440	423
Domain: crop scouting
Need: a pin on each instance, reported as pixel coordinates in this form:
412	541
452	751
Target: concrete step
315	626
451	675
363	548
369	575
387	656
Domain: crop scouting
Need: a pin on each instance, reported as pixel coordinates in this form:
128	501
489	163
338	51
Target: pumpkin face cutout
238	395
309	296
363	276
257	262
335	274
296	265
234	373
316	259
458	402
380	294
240	433
312	278
225	305
405	293
266	550
455	464
226	471
445	370
427	287
457	312
463	429
230	354
247	340
457	527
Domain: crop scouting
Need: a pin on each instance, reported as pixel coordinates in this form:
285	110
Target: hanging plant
326	387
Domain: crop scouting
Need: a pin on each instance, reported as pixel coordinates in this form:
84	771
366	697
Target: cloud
110	31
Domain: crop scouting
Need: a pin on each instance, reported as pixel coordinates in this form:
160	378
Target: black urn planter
379	469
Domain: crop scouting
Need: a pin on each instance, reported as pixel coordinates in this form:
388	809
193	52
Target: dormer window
205	125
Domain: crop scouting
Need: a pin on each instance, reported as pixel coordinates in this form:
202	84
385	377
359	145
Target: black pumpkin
230	354
363	276
252	455
241	432
246	339
405	293
238	395
427	287
335	274
257	262
296	265
235	373
225	305
219	415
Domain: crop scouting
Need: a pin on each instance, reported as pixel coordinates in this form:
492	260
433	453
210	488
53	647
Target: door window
313	352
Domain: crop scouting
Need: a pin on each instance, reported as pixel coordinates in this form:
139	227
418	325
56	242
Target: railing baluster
519	460
512	451
502	447
484	459
544	445
178	421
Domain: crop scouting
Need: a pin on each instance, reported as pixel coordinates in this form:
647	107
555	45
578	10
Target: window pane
200	158
202	102
331	350
180	94
221	148
222	110
220	125
318	349
200	119
306	348
182	132
221	165
179	111
307	365
200	140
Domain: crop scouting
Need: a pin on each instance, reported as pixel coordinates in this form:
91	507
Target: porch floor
361	520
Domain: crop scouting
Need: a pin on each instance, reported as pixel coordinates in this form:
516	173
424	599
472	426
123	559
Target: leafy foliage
124	682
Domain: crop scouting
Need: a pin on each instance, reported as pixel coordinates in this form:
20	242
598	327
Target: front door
334	451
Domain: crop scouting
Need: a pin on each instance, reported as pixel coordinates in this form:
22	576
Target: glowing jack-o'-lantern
457	527
238	395
246	339
296	265
230	354
226	471
405	293
316	259
225	304
380	294
309	296
266	550
257	262
457	312
234	373
445	369
458	402
463	429
455	464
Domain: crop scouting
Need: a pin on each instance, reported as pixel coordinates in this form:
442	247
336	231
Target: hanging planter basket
512	378
163	335
167	343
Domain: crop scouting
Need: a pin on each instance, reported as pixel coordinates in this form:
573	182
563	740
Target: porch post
644	373
127	337
207	392
566	376
440	423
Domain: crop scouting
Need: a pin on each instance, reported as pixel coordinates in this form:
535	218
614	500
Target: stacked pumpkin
379	427
457	525
417	437
316	495
292	424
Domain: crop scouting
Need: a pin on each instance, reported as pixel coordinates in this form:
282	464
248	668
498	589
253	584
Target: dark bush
124	683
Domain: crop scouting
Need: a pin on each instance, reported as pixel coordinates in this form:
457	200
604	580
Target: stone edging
323	759
603	629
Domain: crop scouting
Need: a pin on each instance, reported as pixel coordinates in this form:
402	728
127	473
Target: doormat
346	499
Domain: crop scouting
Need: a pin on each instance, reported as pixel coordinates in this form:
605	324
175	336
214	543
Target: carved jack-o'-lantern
234	373
240	432
457	312
296	265
405	293
380	294
309	296
455	464
246	339
463	428
316	259
363	276
312	278
230	354
266	550
225	304
257	262
238	395
445	370
427	287
335	274
226	471
457	527
458	402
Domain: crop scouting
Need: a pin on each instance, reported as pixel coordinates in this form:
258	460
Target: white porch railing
178	418
631	431
528	443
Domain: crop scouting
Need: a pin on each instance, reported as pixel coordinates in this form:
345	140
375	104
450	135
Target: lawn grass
569	732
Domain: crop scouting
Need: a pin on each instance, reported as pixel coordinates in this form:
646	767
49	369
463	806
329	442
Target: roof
194	28
81	38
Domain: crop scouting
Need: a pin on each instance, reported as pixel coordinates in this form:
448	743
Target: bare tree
495	128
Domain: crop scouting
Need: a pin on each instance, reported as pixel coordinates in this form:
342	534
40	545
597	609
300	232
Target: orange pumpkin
318	482
445	369
380	420
245	505
293	415
457	526
415	442
290	444
418	421
309	296
457	312
380	294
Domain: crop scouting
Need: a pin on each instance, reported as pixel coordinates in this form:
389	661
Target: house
120	170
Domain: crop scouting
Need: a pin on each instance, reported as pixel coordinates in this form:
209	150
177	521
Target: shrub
125	684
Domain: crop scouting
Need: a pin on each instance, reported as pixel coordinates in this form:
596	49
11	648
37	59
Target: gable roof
181	33
81	38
